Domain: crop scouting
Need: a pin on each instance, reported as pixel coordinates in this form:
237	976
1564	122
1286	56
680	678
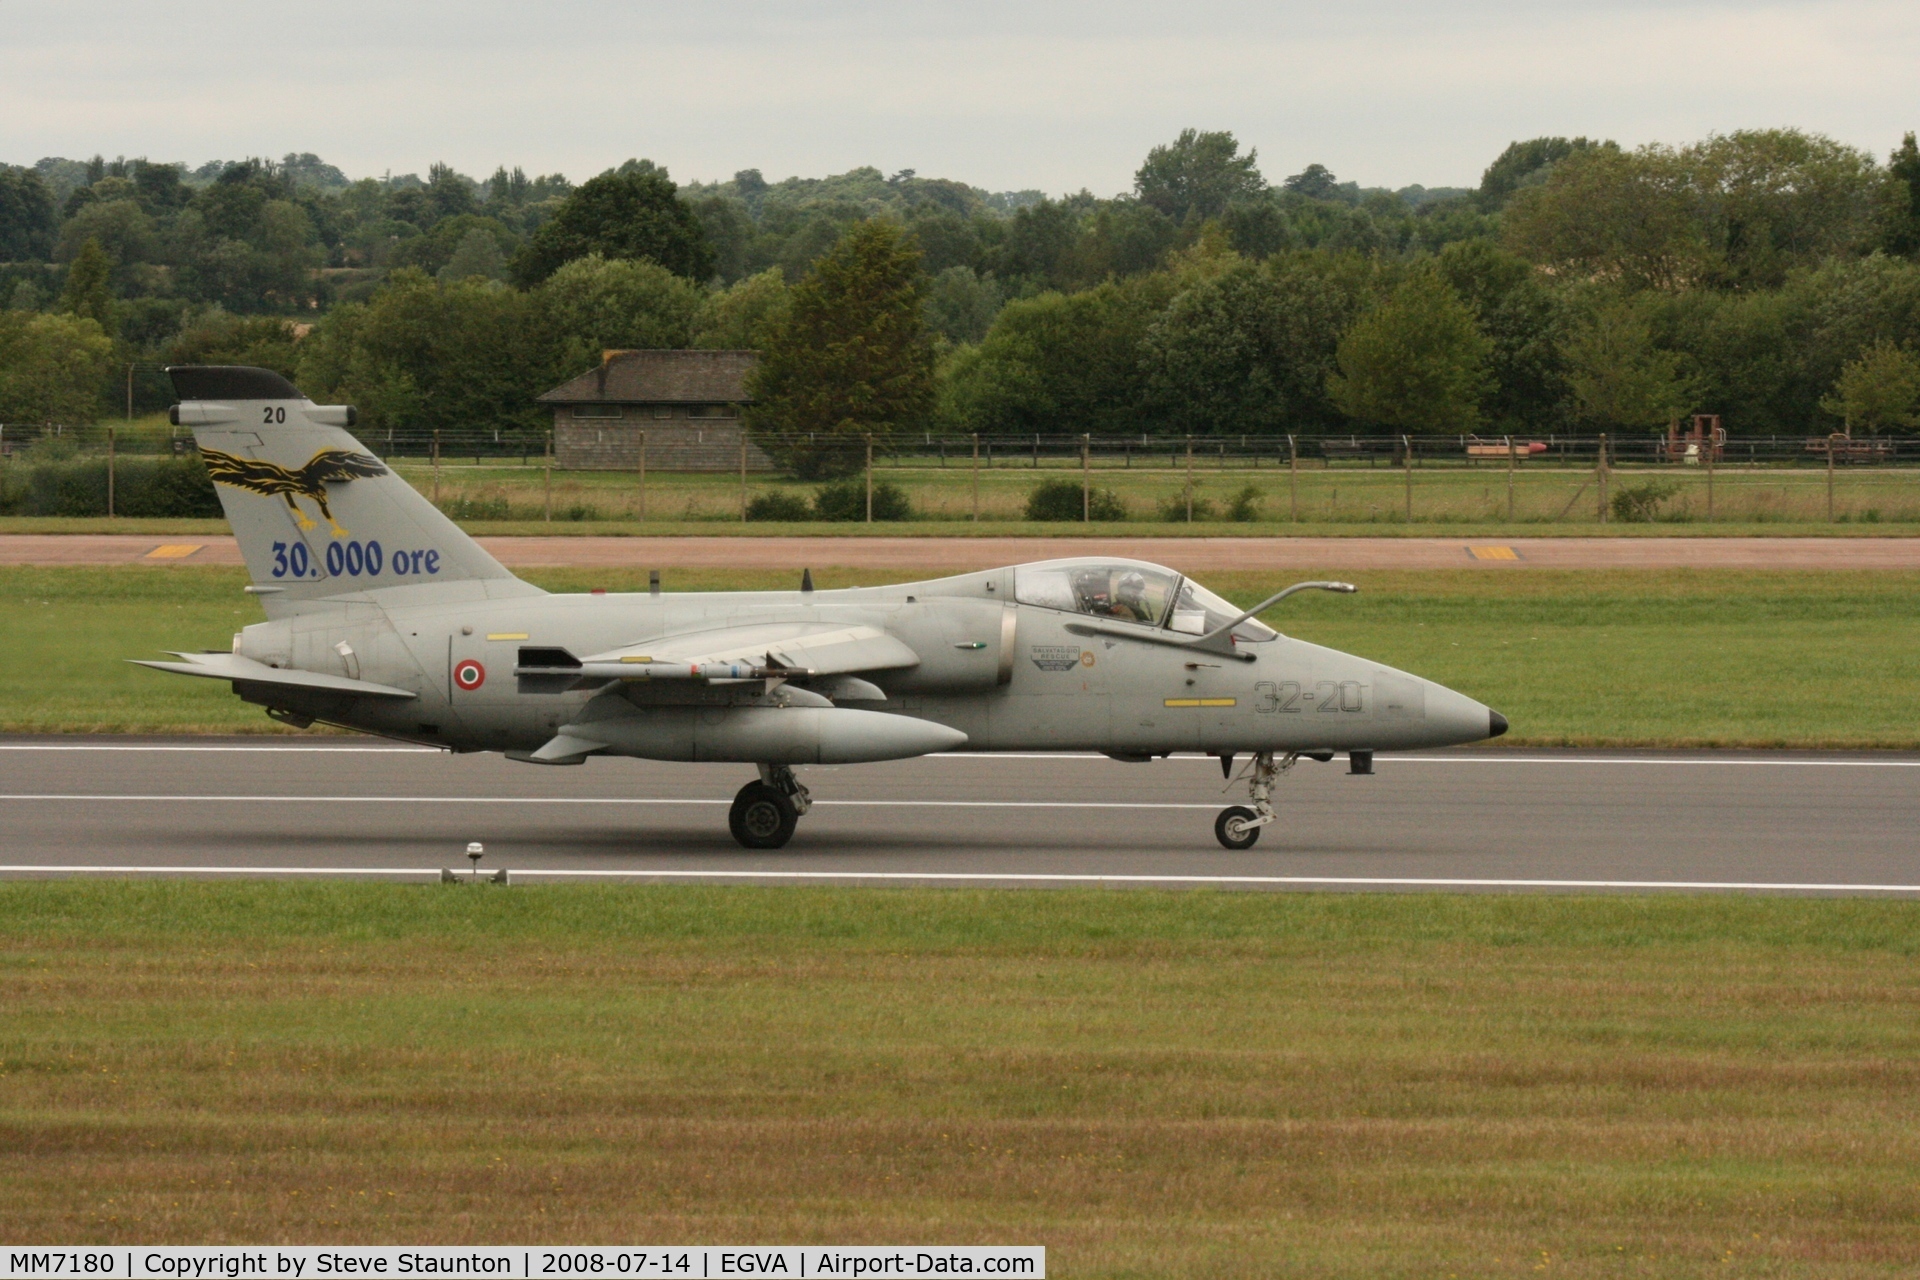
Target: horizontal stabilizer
231	666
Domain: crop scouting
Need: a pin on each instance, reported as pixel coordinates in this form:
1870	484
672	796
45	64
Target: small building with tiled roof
684	404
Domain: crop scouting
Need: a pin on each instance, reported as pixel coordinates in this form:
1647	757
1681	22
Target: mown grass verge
1149	1084
1626	657
719	528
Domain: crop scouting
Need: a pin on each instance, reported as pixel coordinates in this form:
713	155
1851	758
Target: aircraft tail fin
315	512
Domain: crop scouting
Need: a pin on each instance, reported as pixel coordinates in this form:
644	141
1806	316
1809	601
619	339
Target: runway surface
929	556
1573	820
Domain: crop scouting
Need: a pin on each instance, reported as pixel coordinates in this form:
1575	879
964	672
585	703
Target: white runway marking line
342	750
905	804
1089	757
987	876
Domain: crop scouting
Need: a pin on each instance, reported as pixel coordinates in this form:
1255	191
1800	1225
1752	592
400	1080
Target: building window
596	411
712	411
663	411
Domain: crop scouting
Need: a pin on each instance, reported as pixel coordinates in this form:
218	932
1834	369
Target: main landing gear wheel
763	816
1232	829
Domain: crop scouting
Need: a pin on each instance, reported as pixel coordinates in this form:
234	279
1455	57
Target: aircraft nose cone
1496	724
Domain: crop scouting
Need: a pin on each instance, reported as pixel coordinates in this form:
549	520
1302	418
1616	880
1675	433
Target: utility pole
110	474
976	477
1601	475
1406	442
1712	448
1830	439
643	477
436	466
549	470
1293	480
870	478
1086	480
743	477
1513	456
1189	479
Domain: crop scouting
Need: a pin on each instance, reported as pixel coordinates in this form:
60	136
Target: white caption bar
301	1262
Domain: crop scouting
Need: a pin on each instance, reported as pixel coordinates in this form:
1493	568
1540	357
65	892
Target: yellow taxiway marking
174	551
1493	553
506	635
1201	702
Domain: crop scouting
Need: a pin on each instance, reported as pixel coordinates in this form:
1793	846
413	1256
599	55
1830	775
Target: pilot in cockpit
1130	599
1106	595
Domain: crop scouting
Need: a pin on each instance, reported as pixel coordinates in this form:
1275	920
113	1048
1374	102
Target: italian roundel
469	674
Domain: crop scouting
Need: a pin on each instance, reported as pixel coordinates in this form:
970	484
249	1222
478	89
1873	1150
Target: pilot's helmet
1132	588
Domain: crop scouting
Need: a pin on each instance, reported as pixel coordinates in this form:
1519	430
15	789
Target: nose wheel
1235	827
765	812
1238	826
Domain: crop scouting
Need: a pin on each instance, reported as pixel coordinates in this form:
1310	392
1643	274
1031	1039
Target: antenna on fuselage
806	579
653	582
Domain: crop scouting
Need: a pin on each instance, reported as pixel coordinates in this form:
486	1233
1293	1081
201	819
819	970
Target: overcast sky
1005	95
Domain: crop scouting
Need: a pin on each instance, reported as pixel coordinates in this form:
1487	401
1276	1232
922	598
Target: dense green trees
1250	348
1750	274
52	367
1415	362
1059	362
422	355
28	221
1619	376
634	215
1197	176
850	360
86	293
1878	392
594	304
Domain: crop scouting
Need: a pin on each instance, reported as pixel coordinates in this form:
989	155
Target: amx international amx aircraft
384	617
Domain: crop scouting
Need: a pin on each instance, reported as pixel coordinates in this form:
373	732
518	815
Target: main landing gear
765	812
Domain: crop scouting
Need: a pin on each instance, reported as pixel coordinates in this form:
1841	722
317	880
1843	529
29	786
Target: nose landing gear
1238	827
765	812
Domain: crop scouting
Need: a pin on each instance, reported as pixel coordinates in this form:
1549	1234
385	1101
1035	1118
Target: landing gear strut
1238	827
765	812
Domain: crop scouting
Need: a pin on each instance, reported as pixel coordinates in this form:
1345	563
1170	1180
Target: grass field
1570	657
1347	498
1152	1085
1155	494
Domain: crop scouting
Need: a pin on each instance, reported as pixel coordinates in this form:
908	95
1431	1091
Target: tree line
1770	276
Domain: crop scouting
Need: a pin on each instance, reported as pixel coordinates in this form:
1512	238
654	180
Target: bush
1640	503
1245	507
1054	500
847	500
780	505
159	487
1173	508
477	507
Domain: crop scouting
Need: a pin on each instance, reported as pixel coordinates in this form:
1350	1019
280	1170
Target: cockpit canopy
1131	591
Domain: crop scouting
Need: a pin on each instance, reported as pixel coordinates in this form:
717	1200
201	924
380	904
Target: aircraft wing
827	648
231	666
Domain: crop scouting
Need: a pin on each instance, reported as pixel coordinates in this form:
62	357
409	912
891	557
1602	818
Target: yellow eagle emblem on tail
329	466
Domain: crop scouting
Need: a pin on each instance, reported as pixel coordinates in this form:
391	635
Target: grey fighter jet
382	616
